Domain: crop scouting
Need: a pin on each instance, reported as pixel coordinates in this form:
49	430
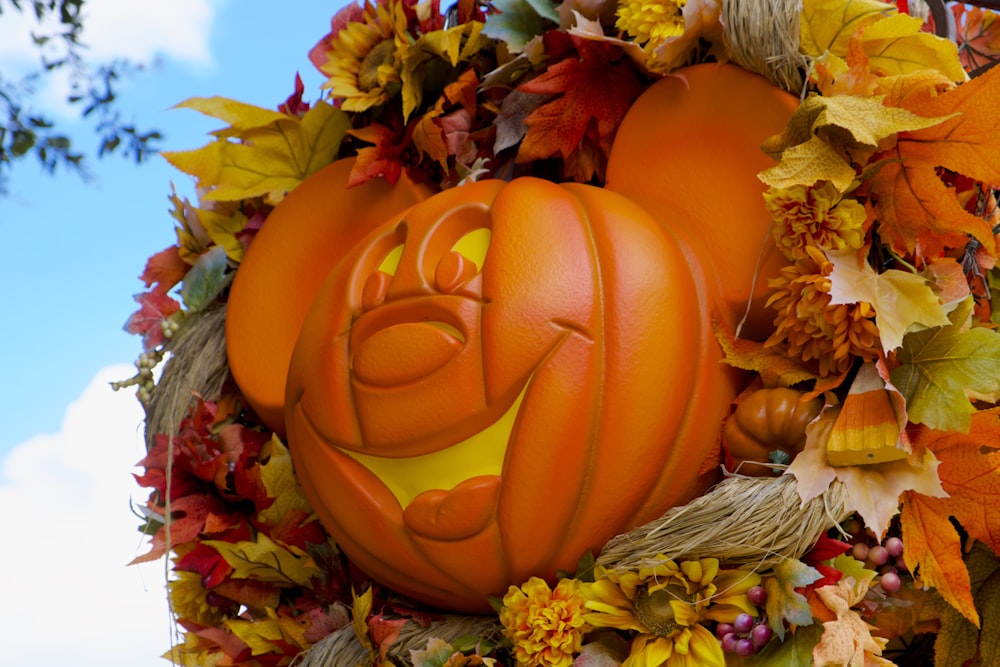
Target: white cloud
67	533
139	30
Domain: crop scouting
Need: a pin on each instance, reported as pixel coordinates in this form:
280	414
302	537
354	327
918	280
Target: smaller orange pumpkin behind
689	149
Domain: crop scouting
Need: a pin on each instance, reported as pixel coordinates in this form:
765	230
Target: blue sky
72	253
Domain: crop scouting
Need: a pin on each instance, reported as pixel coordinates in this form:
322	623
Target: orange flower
812	328
815	216
546	626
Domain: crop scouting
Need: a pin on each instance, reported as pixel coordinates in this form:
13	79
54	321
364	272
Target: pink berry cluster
886	557
745	635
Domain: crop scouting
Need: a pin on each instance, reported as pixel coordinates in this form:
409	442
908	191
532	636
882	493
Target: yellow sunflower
365	58
665	603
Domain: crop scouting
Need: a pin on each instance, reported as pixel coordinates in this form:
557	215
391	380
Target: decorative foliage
882	194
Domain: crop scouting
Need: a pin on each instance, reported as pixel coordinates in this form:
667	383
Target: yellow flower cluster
546	626
651	22
813	328
814	216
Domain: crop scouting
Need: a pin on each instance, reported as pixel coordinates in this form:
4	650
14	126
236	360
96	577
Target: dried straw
197	364
342	648
763	36
743	521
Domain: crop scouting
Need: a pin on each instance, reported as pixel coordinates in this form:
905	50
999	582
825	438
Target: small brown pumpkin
764	423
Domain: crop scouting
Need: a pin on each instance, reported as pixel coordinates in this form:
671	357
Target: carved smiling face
491	383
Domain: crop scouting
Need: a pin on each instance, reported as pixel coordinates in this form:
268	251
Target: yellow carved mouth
482	454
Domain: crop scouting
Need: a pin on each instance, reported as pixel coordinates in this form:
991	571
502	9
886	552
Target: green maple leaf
942	368
783	603
517	22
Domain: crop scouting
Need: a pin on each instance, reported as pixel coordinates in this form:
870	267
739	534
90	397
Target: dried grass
763	36
197	364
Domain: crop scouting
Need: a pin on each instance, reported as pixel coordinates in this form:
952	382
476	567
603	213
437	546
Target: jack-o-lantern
502	377
498	380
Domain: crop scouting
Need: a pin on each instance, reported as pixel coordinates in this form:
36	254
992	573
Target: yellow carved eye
390	262
473	246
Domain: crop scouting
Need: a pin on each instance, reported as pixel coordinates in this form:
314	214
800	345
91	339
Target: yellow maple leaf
827	25
901	299
265	560
260	634
825	132
250	159
279	480
897	45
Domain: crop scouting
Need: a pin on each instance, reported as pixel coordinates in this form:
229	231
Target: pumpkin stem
779	457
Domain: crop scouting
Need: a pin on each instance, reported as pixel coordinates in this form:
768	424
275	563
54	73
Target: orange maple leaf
594	93
970	473
917	210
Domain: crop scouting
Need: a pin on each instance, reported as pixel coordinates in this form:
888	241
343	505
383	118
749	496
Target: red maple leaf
146	322
594	91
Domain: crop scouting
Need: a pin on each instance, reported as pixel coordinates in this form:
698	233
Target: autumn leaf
794	651
264	560
434	654
594	93
516	22
959	641
262	153
383	159
917	211
824	130
827	25
940	369
164	270
977	34
155	307
454	45
263	635
901	299
897	44
783	602
206	279
774	368
847	640
970	473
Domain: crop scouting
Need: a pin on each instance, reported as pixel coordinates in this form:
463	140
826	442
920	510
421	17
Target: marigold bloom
814	216
651	22
364	58
546	626
665	603
813	328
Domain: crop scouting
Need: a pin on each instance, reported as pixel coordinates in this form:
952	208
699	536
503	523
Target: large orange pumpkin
463	423
504	376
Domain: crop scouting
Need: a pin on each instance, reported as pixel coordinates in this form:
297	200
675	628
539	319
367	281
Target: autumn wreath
855	524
